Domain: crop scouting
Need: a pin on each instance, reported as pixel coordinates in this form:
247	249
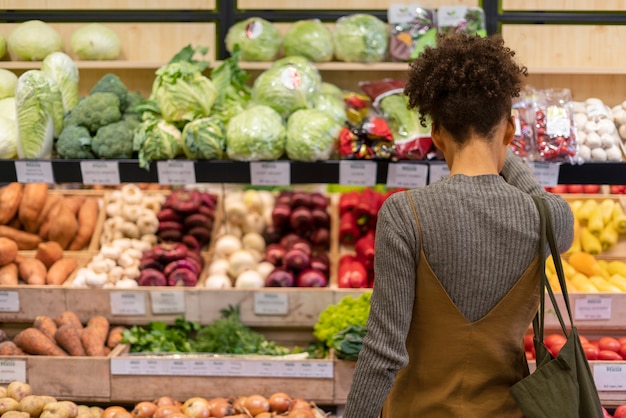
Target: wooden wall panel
338	5
610	88
564	5
107	4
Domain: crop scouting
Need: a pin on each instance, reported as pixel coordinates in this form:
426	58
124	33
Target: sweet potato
74	203
51	200
9	275
34	198
33	341
32	271
49	252
51	214
8	251
10	198
24	240
87	219
93	343
8	348
61	270
68	338
46	325
115	336
64	227
69	318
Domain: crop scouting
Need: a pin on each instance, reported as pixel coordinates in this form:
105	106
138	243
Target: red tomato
617	189
622	350
609	355
620	412
594	342
574	188
609	343
622	340
559	188
551	339
591	351
556	347
528	342
583	340
591	188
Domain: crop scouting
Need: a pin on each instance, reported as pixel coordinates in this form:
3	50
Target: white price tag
593	308
154	367
176	172
9	301
271	303
547	173
198	368
178	367
167	302
217	368
269	369
437	172
100	172
34	172
275	173
12	370
610	377
357	173
128	303
407	175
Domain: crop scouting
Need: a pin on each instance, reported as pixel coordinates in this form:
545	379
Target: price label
167	302
593	308
176	172
271	303
437	172
407	175
275	173
100	172
357	173
178	367
546	173
12	370
610	377
128	303
9	301
199	368
34	172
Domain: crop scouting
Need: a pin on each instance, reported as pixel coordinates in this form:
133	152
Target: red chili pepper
348	201
365	248
349	231
352	275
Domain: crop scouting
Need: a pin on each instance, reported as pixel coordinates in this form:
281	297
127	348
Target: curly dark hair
465	84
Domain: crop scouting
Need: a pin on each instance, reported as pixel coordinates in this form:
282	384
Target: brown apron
459	368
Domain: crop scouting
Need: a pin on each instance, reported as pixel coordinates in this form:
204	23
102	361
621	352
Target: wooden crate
592	312
146	377
344	371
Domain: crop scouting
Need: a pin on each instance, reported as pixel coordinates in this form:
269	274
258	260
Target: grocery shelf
88	65
321	172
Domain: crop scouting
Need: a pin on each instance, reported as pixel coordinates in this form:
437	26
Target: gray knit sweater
480	233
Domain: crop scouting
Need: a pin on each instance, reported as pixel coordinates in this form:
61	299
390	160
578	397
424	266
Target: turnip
218	281
265	268
249	279
227	244
253	241
240	261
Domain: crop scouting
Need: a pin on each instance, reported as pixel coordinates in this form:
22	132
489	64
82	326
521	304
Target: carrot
61	270
69	318
115	336
64	227
34	198
8	251
10	198
46	325
87	219
92	341
68	338
33	341
32	271
49	252
9	275
24	240
8	348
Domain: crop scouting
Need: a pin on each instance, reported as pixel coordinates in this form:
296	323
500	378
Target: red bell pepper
366	210
349	231
352	274
365	248
348	201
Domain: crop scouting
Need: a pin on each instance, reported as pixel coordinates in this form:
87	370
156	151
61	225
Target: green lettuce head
360	38
257	38
291	83
331	105
156	139
330	88
311	135
310	39
182	92
256	134
204	139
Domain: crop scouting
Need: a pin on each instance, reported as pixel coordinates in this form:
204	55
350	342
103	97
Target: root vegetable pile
48	266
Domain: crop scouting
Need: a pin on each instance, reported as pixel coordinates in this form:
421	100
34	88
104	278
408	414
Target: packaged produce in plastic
461	19
413	28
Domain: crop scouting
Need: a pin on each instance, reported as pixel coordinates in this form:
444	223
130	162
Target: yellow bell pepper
606	209
608	237
619	219
603	285
616	267
619	281
589	242
595	223
585	209
586	264
583	284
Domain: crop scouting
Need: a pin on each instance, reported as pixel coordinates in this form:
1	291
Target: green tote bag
561	386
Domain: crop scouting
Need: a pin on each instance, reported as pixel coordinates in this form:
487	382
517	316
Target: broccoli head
133	98
114	140
111	83
74	142
95	111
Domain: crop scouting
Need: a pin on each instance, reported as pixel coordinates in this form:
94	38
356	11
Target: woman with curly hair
457	267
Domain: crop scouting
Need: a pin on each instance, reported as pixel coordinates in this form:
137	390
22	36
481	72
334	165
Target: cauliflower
114	140
74	142
111	83
95	111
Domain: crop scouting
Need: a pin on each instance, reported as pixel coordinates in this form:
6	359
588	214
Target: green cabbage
330	88
311	135
95	41
8	138
258	39
257	133
233	92
33	40
204	139
360	38
39	103
63	70
182	92
291	83
8	81
156	139
331	105
7	108
310	39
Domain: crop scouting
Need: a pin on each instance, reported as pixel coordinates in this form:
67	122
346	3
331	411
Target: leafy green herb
349	342
335	318
158	337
